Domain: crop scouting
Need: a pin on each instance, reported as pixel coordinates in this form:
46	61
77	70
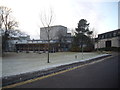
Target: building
60	40
1	33
55	32
37	46
108	41
14	37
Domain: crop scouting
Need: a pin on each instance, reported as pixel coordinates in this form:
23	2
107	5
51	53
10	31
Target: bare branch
6	20
51	18
41	18
46	21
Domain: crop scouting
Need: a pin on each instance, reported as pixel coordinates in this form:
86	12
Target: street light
48	61
82	46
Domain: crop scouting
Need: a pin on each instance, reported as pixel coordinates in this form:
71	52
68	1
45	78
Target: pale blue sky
102	16
110	14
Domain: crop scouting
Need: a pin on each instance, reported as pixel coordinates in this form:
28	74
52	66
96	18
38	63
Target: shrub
75	49
117	49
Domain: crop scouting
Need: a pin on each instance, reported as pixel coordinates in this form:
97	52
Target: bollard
75	56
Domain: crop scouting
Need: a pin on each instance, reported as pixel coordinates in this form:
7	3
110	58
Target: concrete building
60	40
37	46
108	40
55	32
14	37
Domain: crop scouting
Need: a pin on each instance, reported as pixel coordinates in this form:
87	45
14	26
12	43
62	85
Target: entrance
108	43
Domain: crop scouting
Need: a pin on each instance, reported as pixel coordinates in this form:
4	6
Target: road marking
53	74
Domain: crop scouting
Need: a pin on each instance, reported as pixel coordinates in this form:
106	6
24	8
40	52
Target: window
106	35
110	34
114	34
118	33
102	36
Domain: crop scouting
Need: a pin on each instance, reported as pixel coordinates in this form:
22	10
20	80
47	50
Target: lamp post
48	61
82	46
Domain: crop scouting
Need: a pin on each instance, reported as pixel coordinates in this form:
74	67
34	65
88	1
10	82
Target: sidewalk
18	63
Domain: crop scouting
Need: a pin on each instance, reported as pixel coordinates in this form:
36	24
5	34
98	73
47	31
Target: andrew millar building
108	41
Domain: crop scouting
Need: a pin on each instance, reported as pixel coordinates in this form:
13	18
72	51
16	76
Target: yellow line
39	78
53	74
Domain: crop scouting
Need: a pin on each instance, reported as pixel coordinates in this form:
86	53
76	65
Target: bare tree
46	21
6	23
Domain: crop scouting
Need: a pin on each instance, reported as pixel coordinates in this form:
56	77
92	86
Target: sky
101	14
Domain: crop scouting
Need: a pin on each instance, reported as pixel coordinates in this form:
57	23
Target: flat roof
109	32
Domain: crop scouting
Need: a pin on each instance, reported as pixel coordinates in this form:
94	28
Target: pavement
69	61
19	63
102	73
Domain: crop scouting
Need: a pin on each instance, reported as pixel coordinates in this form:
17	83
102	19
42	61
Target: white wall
54	32
115	42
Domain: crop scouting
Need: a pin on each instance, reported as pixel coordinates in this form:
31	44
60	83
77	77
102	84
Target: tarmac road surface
102	74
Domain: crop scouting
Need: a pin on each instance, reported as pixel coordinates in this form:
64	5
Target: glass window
102	36
106	35
114	34
118	33
110	34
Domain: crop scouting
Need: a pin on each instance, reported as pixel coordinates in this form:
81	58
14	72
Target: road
103	74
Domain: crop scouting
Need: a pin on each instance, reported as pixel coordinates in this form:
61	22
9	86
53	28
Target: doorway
108	43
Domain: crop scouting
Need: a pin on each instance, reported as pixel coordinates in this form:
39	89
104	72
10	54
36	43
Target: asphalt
103	74
31	75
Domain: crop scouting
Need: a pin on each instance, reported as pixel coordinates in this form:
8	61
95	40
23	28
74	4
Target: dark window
118	33
110	35
106	35
102	36
108	43
114	34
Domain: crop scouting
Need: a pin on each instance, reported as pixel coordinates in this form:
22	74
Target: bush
78	49
116	49
88	49
75	49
